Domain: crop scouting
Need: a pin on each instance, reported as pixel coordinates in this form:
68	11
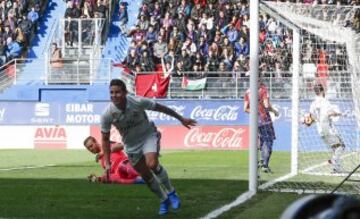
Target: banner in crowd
151	85
193	84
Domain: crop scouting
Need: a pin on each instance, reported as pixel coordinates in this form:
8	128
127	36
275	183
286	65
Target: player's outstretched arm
187	122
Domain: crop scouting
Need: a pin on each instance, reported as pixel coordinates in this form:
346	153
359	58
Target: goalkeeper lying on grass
121	170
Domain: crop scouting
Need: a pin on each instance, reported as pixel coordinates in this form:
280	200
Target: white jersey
132	123
320	109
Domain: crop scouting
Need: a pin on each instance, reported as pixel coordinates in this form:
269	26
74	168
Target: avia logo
42	109
50	138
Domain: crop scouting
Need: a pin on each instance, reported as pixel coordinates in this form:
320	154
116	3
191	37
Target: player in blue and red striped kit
265	126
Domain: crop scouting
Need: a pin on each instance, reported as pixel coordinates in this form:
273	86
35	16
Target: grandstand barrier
88	73
232	85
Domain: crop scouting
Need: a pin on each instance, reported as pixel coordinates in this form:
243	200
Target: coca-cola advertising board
199	137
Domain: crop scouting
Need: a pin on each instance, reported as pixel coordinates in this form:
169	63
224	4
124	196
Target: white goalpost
327	53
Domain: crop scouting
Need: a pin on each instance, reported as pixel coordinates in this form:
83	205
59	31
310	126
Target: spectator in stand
71	31
137	34
212	62
7	33
13	49
132	59
185	59
151	35
143	23
167	22
196	13
146	62
76	10
179	36
173	44
221	20
211	11
56	62
189	46
203	47
3	49
88	10
170	56
23	6
123	17
69	9
241	48
100	9
20	37
33	15
167	67
184	8
160	49
179	69
154	23
25	25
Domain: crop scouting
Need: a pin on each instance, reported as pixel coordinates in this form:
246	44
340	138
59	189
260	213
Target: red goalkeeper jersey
121	170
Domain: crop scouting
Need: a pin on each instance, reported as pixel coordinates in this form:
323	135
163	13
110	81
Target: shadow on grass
76	198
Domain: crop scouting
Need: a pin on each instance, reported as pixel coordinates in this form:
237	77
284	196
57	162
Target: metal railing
76	36
235	86
72	71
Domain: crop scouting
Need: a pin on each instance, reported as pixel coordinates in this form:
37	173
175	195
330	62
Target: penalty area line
238	201
26	167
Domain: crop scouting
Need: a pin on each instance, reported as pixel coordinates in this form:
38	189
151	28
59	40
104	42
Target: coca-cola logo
154	115
222	113
224	138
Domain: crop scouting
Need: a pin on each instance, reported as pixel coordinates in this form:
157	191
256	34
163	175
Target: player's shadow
78	198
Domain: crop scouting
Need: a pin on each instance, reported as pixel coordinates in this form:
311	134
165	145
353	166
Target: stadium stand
190	40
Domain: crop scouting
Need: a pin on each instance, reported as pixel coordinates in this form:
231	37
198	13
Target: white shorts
151	144
333	140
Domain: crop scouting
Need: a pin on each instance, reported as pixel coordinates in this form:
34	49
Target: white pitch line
272	182
239	200
309	169
26	167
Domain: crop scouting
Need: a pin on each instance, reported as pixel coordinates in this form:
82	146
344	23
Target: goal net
329	51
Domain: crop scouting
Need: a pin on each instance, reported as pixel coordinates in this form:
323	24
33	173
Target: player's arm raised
168	111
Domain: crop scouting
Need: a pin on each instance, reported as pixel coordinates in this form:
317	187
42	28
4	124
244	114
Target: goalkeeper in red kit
121	170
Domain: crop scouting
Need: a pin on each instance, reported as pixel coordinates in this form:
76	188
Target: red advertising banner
199	137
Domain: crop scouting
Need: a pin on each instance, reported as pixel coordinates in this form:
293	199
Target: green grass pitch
52	184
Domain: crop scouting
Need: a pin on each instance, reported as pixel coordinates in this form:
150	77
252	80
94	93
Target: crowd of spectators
210	37
18	22
203	37
85	10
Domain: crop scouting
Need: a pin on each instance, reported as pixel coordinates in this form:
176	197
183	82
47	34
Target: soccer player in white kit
141	140
323	112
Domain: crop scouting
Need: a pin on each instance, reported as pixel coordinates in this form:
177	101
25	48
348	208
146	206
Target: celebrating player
141	140
121	170
323	112
265	125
